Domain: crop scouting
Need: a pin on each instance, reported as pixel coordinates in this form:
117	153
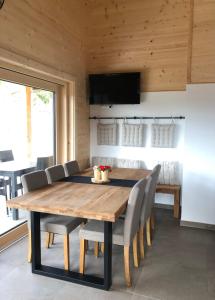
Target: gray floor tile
179	265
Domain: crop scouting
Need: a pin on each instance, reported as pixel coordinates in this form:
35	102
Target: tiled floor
179	265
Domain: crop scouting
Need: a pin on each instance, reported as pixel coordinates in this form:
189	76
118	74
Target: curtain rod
138	118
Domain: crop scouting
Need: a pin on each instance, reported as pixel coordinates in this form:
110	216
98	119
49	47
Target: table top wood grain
92	201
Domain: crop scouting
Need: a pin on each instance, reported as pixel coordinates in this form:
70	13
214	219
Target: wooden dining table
76	196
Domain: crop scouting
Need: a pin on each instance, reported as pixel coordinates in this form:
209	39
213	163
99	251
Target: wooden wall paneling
149	36
50	34
203	50
29	121
190	43
83	140
39	30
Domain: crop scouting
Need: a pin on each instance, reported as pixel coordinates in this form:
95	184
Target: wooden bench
173	190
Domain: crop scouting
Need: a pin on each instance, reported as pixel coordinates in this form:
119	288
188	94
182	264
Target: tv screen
116	88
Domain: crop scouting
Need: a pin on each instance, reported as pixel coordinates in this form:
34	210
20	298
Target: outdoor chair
44	162
7	155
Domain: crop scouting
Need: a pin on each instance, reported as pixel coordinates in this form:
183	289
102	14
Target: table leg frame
15	212
75	277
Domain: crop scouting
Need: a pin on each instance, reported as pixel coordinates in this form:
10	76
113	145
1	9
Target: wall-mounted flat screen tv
115	88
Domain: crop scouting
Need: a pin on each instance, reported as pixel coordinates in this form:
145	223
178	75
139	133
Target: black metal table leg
35	241
107	255
48	271
15	212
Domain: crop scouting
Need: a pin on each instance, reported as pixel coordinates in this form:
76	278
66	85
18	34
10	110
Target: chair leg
96	249
152	220
82	257
29	246
148	232
127	266
86	245
141	240
102	248
135	253
51	239
66	252
47	241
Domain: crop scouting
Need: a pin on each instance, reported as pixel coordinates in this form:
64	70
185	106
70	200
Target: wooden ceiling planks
46	31
148	36
203	45
52	34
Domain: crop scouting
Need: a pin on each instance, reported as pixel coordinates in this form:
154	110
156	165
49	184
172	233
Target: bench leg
176	204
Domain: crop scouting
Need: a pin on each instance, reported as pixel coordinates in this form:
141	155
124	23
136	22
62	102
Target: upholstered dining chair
146	211
152	218
33	181
124	231
71	168
54	224
55	173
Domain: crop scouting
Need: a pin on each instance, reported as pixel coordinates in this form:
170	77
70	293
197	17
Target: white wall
195	147
152	104
198	198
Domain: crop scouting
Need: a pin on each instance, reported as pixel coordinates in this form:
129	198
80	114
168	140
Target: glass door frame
21	230
34	82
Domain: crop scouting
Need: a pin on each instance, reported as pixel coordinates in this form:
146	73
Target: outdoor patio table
14	169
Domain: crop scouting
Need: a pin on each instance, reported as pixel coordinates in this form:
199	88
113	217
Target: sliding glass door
37	129
26	121
27	132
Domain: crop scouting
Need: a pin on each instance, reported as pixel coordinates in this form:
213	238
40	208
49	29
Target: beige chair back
34	180
132	216
55	173
71	168
149	196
